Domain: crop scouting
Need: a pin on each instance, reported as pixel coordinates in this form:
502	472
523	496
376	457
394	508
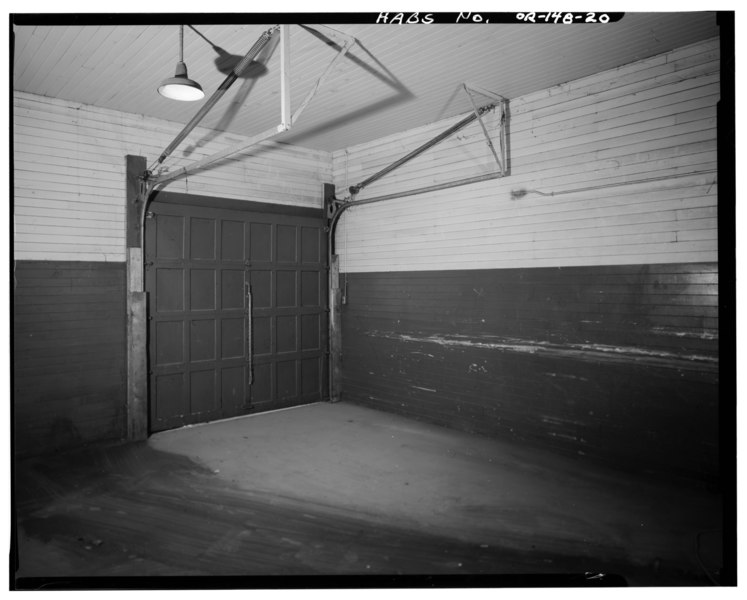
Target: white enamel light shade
180	86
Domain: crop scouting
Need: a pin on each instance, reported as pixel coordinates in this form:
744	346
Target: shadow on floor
203	501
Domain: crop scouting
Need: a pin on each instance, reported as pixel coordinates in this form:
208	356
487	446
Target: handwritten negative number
566	18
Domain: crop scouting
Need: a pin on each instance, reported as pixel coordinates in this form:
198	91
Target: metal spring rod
217	95
422	190
454	128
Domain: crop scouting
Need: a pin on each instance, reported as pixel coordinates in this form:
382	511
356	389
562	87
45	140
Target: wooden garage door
237	309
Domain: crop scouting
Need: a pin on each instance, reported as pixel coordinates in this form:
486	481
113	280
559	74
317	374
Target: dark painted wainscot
617	364
69	373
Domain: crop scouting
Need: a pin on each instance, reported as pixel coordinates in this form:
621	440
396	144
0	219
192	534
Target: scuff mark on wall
705	335
564	421
564	436
417	387
591	352
567	376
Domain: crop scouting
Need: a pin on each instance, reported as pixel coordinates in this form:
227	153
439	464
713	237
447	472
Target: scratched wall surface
616	363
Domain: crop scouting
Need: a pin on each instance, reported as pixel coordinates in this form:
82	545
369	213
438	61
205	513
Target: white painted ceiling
395	77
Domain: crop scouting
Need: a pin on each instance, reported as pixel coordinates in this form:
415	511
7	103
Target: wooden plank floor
124	512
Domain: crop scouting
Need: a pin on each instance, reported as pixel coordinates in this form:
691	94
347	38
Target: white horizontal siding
642	137
69	175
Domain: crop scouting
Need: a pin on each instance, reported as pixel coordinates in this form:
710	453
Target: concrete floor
337	489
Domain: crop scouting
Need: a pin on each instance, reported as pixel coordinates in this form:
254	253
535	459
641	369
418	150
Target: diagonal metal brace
287	120
502	101
217	95
420	149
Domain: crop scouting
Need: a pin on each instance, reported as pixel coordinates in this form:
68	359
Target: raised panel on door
289	316
181	275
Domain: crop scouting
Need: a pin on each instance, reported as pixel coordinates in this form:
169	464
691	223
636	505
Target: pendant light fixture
181	87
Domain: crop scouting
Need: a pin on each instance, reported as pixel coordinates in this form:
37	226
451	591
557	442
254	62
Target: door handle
249	331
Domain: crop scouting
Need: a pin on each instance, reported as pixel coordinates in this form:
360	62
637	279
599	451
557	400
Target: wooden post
137	367
136	166
335	331
137	324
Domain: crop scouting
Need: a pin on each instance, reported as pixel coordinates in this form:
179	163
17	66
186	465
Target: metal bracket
334	207
145	185
501	161
471	87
